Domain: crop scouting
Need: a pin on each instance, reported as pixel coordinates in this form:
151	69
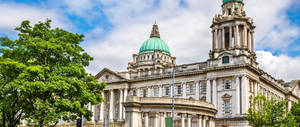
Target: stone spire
155	32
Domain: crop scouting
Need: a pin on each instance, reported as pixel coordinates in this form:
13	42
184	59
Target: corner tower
233	39
153	56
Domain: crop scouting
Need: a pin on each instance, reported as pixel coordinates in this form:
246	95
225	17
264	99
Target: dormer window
225	59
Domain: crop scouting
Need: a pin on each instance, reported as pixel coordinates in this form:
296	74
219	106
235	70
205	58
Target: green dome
224	1
154	43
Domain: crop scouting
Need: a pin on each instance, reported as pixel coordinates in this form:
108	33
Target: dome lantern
154	42
225	1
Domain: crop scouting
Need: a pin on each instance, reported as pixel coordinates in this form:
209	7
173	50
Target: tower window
229	11
225	60
227	38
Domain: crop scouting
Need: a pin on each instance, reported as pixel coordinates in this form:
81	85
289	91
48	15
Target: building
215	92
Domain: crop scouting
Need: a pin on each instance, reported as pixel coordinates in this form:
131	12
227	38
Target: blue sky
115	29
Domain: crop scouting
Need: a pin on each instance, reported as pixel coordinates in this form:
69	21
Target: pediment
225	54
226	96
108	75
295	88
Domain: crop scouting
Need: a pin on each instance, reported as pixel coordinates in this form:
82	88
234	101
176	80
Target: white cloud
281	67
184	28
13	14
274	30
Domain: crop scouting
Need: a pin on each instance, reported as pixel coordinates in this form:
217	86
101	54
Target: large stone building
216	92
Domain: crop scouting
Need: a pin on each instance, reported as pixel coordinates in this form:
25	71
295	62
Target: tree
42	77
269	113
295	111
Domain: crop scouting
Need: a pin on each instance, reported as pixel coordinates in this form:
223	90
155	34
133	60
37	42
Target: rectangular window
156	90
227	85
227	106
167	91
134	92
225	59
144	93
179	89
192	89
203	88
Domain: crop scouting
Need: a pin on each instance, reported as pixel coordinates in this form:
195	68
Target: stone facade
221	88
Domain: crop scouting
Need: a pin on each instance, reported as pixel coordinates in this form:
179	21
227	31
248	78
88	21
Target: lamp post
173	95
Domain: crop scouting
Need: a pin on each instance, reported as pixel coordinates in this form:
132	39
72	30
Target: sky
115	29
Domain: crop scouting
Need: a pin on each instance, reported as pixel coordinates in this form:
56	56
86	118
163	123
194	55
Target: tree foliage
42	76
269	113
295	111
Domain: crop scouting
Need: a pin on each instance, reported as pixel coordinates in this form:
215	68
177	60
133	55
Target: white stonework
228	81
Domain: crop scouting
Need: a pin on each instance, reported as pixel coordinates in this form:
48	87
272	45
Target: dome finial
155	32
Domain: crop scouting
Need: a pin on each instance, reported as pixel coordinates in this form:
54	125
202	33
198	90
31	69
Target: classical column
236	36
189	120
199	121
94	112
252	42
120	104
245	98
197	90
245	37
182	120
157	120
223	38
160	92
146	119
289	102
149	92
214	92
211	122
213	40
237	84
138	92
162	120
124	100
216	39
208	91
102	107
184	90
111	105
230	37
204	121
249	41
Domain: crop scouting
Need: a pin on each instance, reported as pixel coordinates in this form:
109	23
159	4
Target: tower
232	36
153	56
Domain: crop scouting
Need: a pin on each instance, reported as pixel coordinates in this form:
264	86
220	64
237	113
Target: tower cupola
233	36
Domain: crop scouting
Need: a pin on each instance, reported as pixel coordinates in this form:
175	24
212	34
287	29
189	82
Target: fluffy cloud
281	67
184	25
13	14
274	31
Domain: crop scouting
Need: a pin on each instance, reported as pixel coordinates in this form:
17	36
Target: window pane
225	59
227	106
167	90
